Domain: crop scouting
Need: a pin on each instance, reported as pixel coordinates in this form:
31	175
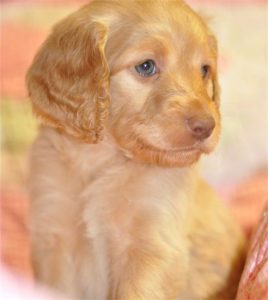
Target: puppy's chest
126	208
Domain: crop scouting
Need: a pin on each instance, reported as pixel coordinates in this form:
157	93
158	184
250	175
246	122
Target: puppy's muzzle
200	127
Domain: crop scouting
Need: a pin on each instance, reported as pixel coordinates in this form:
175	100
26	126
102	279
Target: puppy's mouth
176	157
193	147
199	146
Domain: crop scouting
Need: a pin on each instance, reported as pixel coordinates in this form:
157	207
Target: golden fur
118	208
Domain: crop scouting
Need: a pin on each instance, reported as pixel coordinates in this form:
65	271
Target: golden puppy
128	95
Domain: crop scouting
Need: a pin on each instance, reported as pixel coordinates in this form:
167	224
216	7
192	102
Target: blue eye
147	68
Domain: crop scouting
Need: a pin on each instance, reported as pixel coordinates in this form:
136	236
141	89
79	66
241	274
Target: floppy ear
69	79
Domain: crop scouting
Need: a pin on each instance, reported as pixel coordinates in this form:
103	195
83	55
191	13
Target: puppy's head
144	72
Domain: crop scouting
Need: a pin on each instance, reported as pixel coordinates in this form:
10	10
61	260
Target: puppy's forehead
158	18
182	28
174	17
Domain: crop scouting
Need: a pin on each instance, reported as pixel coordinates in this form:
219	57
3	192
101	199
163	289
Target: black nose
201	128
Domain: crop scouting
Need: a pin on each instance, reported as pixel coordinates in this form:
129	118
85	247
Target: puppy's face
164	107
141	71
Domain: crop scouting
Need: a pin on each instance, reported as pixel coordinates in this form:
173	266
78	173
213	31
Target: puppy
128	97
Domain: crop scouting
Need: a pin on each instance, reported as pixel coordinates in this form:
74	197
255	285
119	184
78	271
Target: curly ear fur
69	78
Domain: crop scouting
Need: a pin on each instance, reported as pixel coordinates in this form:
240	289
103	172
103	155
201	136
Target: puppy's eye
147	68
205	70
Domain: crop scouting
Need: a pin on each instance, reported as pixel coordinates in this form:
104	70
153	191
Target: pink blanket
254	280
